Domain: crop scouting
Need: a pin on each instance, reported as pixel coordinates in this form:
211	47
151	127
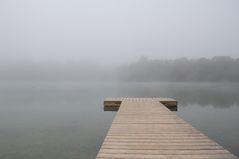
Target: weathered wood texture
145	129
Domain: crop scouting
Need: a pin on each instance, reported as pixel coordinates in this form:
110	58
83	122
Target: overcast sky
118	30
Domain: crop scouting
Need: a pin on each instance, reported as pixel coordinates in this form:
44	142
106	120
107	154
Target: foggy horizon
117	32
144	69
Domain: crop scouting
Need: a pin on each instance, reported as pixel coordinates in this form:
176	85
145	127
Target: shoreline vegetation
216	69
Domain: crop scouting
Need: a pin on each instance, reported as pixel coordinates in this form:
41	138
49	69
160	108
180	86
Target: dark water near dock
66	120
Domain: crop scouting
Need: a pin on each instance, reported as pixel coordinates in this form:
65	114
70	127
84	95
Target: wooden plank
145	129
140	156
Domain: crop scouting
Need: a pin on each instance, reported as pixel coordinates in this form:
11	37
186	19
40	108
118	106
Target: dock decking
144	128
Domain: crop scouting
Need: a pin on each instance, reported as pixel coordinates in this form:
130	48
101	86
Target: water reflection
67	120
204	94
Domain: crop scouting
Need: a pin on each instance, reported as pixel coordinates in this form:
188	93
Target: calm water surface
66	120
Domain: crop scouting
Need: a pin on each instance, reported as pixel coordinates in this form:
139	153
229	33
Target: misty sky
118	30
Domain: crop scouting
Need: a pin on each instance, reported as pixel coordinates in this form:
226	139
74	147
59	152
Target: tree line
216	69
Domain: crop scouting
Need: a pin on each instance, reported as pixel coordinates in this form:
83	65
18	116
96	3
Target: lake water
66	120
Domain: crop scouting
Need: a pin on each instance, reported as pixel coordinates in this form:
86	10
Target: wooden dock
144	128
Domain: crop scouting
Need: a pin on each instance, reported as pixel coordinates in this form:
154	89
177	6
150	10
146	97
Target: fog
117	32
59	60
216	69
30	71
94	40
